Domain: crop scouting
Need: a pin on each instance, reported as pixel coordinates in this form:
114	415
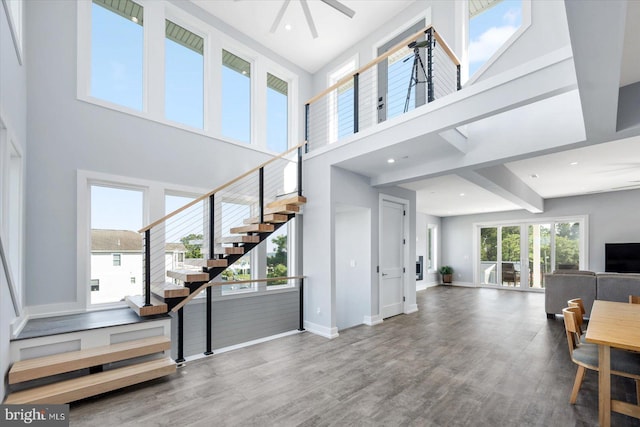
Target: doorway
392	245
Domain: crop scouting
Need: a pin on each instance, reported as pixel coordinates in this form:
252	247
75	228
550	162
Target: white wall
13	117
67	135
429	278
353	265
612	218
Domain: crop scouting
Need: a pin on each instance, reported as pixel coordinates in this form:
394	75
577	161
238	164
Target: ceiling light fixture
461	194
134	19
391	160
573	163
533	175
288	27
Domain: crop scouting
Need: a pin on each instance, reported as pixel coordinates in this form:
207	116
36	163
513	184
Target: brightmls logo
36	415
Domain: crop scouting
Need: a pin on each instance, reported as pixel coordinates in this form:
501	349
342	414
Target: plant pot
447	278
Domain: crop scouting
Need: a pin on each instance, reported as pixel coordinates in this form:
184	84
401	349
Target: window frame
346	68
116	259
432	250
14	11
156	12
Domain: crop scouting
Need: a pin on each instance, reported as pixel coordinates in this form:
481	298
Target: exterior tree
192	243
277	263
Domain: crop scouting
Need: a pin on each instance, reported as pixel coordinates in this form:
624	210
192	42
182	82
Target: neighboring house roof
123	241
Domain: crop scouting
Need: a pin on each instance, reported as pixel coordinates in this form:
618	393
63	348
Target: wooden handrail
384	56
222	187
10	283
192	295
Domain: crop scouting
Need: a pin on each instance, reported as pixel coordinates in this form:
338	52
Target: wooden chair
577	302
623	363
634	299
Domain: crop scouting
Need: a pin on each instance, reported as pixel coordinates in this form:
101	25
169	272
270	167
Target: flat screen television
622	257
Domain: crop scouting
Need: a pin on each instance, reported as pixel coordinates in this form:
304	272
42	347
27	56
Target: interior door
392	262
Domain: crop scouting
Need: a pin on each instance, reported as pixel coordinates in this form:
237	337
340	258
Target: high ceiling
607	160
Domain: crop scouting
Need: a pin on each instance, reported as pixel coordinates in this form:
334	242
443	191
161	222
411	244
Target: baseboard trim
411	308
421	286
372	320
465	284
323	331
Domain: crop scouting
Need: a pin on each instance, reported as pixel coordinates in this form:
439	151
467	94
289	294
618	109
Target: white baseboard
465	284
18	323
323	331
421	286
372	320
411	308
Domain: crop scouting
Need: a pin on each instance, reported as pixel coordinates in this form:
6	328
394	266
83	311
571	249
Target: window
184	232
14	9
233	214
431	248
277	114
236	97
95	285
133	280
490	28
117	44
184	75
277	255
116	245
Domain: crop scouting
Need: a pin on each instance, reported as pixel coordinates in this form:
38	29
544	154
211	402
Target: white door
391	263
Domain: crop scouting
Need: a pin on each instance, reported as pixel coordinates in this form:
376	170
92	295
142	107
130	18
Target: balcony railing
418	70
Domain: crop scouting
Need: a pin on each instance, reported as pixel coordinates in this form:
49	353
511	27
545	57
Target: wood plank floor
469	357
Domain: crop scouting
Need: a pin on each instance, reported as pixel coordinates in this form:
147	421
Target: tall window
184	232
117	42
341	108
236	97
277	255
233	215
184	75
567	242
490	27
277	114
116	245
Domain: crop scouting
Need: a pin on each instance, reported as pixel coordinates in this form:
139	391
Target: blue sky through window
184	84
277	121
236	105
491	29
116	208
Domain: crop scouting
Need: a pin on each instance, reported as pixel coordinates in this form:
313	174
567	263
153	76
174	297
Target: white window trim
583	244
153	208
434	247
153	74
524	26
14	11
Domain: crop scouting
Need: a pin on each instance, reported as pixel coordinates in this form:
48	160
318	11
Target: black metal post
430	93
458	77
301	324
147	267
261	194
300	171
306	123
212	228
356	95
209	323
180	358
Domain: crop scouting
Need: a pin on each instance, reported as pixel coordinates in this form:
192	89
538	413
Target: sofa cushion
617	286
559	288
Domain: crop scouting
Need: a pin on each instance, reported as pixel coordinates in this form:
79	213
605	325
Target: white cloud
485	45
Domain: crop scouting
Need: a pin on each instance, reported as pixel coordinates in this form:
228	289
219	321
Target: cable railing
418	70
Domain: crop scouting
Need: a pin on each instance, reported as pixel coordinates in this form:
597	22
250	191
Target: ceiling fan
340	7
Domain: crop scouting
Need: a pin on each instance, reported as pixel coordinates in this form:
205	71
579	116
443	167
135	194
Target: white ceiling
336	31
601	167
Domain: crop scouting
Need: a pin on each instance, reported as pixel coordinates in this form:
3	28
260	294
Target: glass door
510	256
539	254
487	273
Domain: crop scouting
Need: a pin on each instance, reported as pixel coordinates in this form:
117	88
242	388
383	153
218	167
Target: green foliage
489	244
446	269
192	243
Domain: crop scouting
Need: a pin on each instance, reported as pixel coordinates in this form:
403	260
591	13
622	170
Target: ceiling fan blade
340	7
307	14
279	16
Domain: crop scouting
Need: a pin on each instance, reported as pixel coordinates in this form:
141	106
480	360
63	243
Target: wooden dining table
613	324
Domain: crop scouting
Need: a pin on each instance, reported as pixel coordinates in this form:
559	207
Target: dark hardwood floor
468	357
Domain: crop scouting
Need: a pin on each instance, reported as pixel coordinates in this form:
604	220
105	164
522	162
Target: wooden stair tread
296	200
268	218
136	302
26	370
169	290
91	385
188	276
253	228
282	209
238	239
209	263
228	250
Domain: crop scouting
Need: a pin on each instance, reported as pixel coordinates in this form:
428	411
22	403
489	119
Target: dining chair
634	299
577	302
623	363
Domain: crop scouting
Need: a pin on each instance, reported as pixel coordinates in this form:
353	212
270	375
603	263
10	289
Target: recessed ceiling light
573	163
288	27
461	194
533	175
134	19
391	160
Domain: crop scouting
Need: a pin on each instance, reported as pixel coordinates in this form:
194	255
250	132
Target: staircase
92	365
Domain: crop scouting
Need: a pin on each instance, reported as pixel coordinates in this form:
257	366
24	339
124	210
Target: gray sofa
564	285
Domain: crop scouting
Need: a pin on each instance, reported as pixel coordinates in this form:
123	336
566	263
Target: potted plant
447	273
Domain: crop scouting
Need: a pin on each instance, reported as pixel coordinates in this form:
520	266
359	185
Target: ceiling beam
504	183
